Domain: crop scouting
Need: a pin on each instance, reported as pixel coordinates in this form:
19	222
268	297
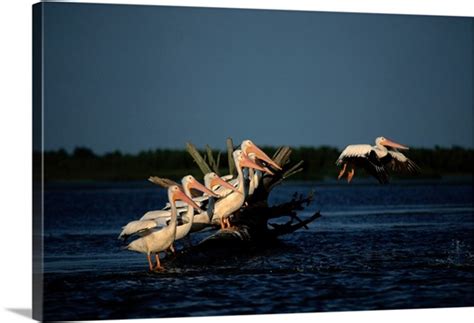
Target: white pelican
248	147
233	202
161	240
254	153
376	160
214	182
158	218
255	175
225	190
188	183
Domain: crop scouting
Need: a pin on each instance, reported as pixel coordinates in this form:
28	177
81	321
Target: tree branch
230	158
203	166
281	229
163	182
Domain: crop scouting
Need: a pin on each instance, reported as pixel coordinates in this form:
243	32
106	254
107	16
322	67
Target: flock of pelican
157	230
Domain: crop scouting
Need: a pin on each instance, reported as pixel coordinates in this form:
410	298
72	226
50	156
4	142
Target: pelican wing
366	157
162	217
137	227
400	163
152	215
353	151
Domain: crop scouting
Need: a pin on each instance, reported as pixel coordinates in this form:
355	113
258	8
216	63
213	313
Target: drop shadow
25	312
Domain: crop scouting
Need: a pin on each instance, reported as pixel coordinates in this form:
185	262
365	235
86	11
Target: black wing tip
414	168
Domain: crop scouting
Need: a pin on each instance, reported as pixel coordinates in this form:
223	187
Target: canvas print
200	162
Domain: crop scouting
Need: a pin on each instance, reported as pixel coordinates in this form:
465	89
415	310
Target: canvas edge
37	161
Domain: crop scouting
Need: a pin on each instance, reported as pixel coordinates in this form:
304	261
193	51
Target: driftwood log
252	224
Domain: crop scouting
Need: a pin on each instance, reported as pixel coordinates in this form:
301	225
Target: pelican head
212	179
382	141
175	193
190	182
248	147
242	160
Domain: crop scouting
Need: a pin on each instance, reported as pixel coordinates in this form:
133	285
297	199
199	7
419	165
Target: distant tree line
319	163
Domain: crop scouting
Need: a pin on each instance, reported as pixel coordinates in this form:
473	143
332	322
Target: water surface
404	245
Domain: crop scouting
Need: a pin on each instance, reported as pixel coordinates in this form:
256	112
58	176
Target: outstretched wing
353	151
400	163
365	157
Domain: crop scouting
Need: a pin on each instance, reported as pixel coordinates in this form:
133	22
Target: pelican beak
198	186
247	162
179	195
219	181
252	148
267	170
393	144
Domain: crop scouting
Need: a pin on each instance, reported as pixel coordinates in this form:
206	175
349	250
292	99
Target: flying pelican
232	202
376	160
161	240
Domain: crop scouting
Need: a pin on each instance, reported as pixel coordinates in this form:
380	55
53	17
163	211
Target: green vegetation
319	163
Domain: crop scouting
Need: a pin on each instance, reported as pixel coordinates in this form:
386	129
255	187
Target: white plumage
376	160
354	151
158	229
232	202
137	226
160	240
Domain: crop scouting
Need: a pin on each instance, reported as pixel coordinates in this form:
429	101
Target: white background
15	153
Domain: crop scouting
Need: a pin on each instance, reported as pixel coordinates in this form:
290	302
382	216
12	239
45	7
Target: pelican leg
172	249
350	175
150	264
158	264
222	224
343	170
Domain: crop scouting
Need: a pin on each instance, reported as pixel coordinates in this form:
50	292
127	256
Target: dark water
405	245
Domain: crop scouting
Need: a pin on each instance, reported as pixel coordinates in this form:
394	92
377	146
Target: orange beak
219	181
261	155
393	144
179	195
247	162
198	186
268	171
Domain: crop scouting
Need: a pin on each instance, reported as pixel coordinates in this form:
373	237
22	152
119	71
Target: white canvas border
15	140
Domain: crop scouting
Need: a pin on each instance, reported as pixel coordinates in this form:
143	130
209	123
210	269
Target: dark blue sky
140	77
